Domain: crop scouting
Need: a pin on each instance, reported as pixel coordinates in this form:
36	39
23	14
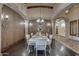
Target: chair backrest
31	34
31	46
41	45
50	36
27	36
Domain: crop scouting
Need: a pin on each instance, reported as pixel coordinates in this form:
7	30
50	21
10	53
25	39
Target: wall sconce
6	16
4	21
48	24
2	16
30	24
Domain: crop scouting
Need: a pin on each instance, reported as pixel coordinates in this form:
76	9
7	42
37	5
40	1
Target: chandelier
40	19
40	22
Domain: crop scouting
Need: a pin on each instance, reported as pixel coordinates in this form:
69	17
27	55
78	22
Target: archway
62	26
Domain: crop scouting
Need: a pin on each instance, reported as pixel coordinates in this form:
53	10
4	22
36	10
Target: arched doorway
60	26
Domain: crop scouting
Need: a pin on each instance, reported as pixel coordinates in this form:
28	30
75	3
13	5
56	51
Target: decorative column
53	28
67	29
77	28
0	25
26	27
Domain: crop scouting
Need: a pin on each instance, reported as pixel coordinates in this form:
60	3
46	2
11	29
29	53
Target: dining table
39	42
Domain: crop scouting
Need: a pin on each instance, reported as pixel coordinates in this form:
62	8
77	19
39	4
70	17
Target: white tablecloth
39	40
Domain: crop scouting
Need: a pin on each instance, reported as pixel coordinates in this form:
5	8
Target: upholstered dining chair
41	46
27	38
31	48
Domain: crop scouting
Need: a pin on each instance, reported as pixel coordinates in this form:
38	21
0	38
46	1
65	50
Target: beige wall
0	26
72	15
12	30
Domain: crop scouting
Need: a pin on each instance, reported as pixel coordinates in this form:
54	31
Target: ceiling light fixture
67	11
42	20
38	20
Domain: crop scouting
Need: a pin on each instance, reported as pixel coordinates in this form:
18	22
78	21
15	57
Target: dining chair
31	34
47	49
31	47
47	34
50	37
27	38
41	46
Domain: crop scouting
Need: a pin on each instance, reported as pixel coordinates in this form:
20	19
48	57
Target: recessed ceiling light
67	11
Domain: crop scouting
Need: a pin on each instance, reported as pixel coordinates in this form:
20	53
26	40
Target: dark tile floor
57	50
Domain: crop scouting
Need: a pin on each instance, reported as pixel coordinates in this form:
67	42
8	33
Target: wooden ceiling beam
39	6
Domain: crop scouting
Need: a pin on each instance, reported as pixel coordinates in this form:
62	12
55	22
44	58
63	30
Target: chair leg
28	51
36	52
45	52
49	49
